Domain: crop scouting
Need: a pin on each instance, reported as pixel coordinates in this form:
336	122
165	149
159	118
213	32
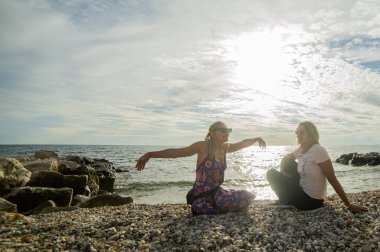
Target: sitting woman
304	185
207	196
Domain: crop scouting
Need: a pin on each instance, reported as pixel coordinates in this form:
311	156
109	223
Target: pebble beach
170	227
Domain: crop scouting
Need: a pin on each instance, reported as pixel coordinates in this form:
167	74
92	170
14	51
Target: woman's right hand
142	161
261	142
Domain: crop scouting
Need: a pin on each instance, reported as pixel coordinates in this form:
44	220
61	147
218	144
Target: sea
168	180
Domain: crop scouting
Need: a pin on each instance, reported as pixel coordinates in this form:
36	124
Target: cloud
131	72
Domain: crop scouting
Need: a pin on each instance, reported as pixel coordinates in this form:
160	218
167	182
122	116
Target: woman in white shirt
304	185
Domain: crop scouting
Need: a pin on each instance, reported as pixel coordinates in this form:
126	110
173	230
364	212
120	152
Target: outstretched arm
168	153
232	147
328	171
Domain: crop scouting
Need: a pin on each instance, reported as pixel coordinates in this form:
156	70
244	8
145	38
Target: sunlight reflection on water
250	165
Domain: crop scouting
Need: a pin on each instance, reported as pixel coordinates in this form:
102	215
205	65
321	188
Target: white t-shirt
312	180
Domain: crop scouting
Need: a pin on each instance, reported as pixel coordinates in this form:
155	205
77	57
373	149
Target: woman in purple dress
207	196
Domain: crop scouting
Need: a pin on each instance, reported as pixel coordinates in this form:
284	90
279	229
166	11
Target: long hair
212	147
311	131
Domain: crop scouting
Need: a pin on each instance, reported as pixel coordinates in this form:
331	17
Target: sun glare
260	59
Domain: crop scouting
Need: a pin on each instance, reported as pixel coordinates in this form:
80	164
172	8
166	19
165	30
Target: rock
345	158
105	200
37	209
7	206
106	183
78	183
76	159
358	160
71	168
372	159
43	154
49	207
46	179
106	173
27	198
78	199
12	174
57	180
41	165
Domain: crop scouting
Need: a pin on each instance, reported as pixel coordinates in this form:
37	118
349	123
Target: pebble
169	227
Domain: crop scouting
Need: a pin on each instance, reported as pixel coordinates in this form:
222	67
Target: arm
232	147
328	171
168	153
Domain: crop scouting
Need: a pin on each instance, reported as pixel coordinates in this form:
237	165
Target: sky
159	72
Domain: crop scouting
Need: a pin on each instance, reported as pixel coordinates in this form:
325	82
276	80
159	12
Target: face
302	136
221	133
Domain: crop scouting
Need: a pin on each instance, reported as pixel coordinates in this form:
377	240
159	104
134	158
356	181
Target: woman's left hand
357	209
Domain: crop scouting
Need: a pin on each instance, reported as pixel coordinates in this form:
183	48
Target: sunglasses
223	130
300	132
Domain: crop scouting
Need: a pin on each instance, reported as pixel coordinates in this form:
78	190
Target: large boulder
12	174
27	198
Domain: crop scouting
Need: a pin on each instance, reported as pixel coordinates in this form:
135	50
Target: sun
261	60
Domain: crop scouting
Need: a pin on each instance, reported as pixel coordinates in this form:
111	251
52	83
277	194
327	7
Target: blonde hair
311	131
210	141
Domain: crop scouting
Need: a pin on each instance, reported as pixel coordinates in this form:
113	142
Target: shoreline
163	227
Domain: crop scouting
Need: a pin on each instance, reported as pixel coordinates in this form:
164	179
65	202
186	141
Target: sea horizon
168	180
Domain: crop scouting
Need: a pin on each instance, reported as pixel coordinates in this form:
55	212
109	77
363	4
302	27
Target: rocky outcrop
28	198
48	183
12	174
355	159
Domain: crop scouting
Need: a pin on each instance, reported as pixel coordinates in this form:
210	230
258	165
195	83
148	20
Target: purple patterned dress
209	175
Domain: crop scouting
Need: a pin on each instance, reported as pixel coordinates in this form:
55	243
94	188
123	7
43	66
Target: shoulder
320	152
201	146
226	146
319	148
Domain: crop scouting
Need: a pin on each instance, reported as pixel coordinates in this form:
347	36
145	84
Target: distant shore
164	227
